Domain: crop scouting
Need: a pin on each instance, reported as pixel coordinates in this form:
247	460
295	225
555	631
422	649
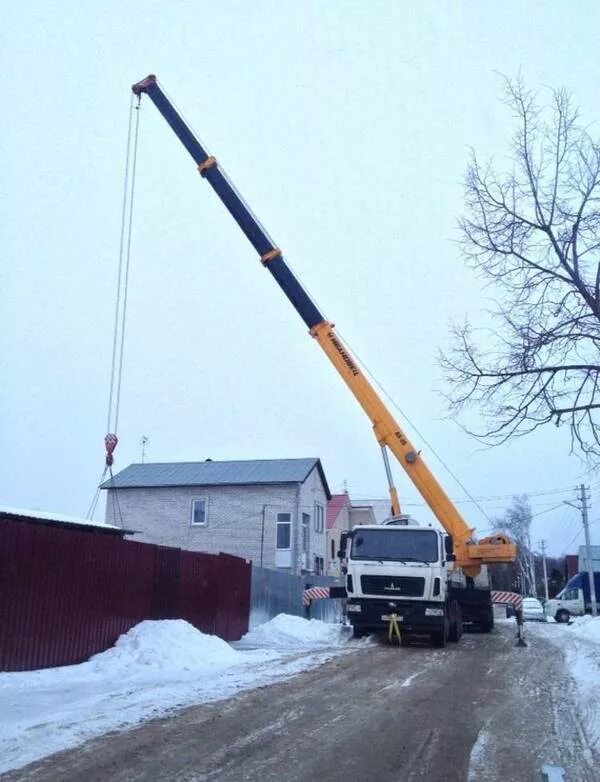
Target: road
482	711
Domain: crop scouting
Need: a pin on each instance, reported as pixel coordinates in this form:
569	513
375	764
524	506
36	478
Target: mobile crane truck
429	581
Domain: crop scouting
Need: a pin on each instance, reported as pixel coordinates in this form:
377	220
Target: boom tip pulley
141	86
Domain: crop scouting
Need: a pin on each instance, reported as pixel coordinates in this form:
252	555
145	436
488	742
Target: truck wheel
456	626
456	629
358	632
562	616
488	625
440	637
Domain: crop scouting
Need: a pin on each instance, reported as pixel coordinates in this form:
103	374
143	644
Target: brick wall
234	517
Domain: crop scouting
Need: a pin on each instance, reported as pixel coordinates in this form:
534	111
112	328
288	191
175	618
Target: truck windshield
403	545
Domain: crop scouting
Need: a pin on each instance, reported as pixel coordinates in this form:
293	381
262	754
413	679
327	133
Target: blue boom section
236	206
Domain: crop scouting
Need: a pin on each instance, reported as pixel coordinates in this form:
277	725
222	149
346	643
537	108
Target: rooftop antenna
144	442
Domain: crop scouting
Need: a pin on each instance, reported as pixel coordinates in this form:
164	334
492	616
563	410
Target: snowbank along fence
69	593
274	592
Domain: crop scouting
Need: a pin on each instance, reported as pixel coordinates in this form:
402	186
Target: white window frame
197	523
288	522
305	533
319	517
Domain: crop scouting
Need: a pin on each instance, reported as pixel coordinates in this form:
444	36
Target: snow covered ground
580	644
154	669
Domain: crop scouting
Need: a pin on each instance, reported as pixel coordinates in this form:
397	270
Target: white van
575	599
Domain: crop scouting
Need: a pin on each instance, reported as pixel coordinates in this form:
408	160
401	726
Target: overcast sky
346	126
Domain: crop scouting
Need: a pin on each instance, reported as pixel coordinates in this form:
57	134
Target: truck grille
404	586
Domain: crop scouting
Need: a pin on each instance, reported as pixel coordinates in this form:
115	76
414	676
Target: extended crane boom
469	554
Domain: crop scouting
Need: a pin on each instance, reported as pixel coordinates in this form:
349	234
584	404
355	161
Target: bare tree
534	234
517	523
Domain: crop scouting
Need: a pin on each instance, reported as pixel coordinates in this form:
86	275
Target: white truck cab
401	567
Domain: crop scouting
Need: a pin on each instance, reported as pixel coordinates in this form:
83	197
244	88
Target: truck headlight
353	608
434	612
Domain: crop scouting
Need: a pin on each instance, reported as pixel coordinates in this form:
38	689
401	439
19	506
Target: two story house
271	511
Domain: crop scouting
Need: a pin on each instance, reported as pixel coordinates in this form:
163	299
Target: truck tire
562	616
440	637
359	632
488	625
456	626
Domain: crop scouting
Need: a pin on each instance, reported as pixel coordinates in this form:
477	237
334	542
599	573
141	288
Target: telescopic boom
469	554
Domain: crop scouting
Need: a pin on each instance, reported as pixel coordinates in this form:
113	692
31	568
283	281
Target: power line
570	543
548	510
414	427
490	498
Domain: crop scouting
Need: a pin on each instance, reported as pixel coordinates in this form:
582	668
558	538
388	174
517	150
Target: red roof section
334	506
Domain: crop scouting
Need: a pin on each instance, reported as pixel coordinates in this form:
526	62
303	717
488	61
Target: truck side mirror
449	548
343	541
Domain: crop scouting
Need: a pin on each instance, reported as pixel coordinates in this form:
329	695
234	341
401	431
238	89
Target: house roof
334	507
231	473
57	519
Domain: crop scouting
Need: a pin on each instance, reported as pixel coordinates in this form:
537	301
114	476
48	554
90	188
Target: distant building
342	515
595	559
271	511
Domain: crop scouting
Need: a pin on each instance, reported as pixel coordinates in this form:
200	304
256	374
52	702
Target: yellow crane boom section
469	555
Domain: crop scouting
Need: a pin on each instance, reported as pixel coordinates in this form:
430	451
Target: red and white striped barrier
508	598
314	593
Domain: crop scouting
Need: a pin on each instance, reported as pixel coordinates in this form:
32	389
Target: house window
332	548
319	516
319	566
199	512
305	531
284	530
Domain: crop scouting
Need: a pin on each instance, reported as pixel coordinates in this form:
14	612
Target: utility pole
588	549
583	509
543	546
262	534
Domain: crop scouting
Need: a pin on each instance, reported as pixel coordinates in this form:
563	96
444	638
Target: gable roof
235	473
334	507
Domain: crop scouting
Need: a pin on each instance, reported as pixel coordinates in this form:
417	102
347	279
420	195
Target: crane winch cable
120	319
414	427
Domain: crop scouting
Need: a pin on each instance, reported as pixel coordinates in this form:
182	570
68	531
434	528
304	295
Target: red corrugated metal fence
66	594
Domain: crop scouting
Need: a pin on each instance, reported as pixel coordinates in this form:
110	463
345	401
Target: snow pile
579	642
586	627
167	644
293	632
154	669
